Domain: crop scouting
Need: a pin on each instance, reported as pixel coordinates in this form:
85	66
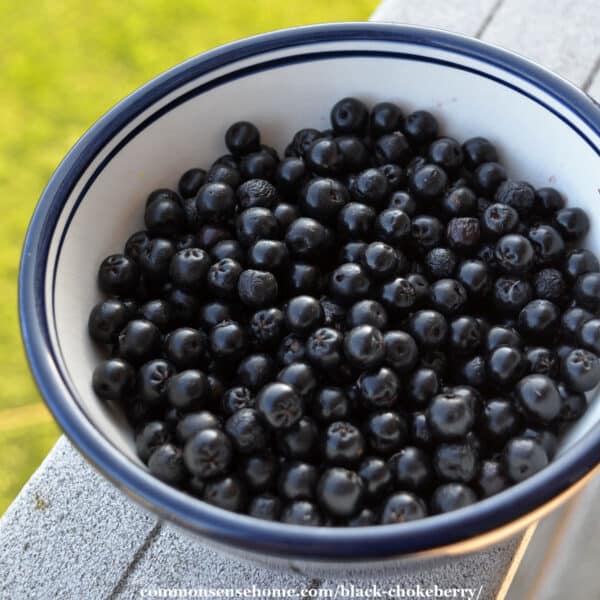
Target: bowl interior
282	91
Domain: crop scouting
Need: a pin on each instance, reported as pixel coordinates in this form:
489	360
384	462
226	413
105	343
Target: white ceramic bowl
548	132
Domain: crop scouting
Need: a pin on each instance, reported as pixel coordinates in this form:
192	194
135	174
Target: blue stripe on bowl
240	531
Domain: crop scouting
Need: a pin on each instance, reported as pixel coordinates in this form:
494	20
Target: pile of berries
377	327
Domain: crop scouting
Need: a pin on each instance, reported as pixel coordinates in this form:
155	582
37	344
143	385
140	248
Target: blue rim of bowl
229	528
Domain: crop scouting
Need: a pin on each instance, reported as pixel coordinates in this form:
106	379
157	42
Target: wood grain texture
563	35
460	16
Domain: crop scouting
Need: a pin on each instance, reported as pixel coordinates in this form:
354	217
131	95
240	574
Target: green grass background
63	63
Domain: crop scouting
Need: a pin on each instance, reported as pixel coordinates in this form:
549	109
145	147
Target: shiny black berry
113	379
537	396
208	453
522	458
280	405
402	507
581	370
340	492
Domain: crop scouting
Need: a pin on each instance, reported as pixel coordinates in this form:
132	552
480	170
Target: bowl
548	132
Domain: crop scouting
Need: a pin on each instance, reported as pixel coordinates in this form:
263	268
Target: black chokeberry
370	187
322	198
280	405
452	496
411	469
542	361
113	379
228	340
324	348
356	221
242	137
505	365
440	263
107	319
355	155
514	254
499	420
267	326
236	398
256	192
303	314
330	404
572	223
457	462
150	437
537	396
166	464
301	512
185	347
522	458
349	282
386	117
222	278
118	275
429	181
349	115
448	296
291	349
491	478
579	262
256	223
261	164
257	288
478	150
386	432
164	215
190	182
517	194
447	153
587	290
285	214
580	370
255	371
364	346
421	126
139	341
344	444
549	284
450	415
307	238
215	202
539	319
488	176
399	295
192	423
340	492
547	243
376	476
300	376
208	453
246	431
573	404
227	493
404	201
324	157
187	390
379	388
392	148
402	507
266	507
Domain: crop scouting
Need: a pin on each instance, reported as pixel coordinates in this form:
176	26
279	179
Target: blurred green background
63	63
